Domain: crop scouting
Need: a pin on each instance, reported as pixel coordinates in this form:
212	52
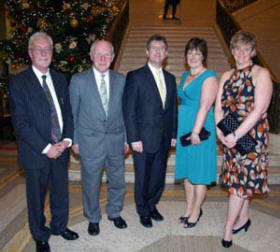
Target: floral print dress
245	175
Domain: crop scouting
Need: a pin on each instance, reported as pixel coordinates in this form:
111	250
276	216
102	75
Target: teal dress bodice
197	163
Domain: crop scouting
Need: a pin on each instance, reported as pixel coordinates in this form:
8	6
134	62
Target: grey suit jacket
94	132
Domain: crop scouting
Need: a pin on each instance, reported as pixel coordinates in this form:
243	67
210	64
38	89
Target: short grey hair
99	40
39	35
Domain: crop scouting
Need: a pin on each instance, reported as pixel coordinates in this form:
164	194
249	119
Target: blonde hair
243	37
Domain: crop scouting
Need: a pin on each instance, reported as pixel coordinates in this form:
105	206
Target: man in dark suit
174	7
150	119
42	120
99	134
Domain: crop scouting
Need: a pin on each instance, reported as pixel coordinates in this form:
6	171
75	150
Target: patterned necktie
103	94
161	88
55	130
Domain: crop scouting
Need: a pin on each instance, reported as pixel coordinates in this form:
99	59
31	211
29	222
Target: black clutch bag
203	135
245	144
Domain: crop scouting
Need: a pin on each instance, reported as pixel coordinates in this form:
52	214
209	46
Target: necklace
197	74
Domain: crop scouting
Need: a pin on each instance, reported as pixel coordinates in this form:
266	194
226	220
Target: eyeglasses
244	49
194	53
106	55
157	48
42	50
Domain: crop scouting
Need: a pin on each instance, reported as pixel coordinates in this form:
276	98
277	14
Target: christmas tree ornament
87	20
23	29
71	59
74	22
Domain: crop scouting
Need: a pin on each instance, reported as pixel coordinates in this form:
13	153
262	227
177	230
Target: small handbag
203	135
245	144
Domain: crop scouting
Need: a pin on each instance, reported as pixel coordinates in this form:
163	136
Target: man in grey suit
99	134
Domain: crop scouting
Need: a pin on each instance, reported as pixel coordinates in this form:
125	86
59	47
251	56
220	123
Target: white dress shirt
49	81
154	72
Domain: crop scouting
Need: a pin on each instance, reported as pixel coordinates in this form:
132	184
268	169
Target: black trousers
150	170
174	7
54	173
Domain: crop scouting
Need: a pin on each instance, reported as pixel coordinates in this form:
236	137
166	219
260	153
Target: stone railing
228	26
117	30
233	5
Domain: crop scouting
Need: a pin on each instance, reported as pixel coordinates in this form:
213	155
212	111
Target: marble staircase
133	54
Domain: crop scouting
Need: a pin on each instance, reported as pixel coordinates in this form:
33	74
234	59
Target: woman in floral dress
244	91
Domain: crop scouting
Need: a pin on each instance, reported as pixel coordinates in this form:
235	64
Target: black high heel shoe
192	224
226	244
183	219
245	227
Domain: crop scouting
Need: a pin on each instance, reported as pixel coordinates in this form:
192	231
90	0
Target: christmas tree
73	25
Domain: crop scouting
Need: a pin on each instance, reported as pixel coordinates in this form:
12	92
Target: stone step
176	39
179	56
141	45
273	170
173	60
172	38
172	28
176	70
133	55
171	50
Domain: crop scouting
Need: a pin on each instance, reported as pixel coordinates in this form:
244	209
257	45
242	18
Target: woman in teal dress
196	163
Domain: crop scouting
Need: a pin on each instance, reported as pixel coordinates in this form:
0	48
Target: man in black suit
43	123
150	120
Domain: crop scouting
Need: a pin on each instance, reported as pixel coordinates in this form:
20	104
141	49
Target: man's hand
137	146
62	145
75	148
126	147
173	142
53	152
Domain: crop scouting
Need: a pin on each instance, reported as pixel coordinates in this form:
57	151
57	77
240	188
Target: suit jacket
94	132
31	116
145	119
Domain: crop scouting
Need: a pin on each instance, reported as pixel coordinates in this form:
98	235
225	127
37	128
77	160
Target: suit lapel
36	87
168	89
112	88
57	89
153	83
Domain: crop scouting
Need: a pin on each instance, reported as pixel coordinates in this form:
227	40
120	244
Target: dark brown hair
197	44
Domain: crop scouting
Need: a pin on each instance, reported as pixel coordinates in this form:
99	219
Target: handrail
117	30
228	27
236	5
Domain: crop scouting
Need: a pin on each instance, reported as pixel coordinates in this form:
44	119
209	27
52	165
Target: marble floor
168	235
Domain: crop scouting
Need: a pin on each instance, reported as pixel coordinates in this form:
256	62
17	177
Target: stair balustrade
117	30
233	5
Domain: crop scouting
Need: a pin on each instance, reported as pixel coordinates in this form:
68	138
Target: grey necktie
103	94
